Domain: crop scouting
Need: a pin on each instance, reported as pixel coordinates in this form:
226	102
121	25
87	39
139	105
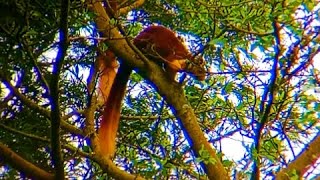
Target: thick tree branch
303	161
134	5
17	162
172	91
70	128
108	166
54	90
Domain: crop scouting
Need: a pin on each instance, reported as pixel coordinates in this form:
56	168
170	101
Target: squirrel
158	44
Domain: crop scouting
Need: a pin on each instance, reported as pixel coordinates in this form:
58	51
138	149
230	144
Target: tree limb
54	92
303	161
268	99
134	5
172	92
46	113
106	164
42	139
19	163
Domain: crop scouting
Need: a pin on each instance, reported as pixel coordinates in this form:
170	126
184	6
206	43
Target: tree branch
36	66
134	5
303	161
54	90
22	165
267	101
106	164
42	139
33	105
172	92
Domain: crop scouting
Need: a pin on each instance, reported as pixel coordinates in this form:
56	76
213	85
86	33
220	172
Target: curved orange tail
157	43
111	114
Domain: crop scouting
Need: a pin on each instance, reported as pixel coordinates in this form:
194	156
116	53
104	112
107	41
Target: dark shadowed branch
54	90
16	161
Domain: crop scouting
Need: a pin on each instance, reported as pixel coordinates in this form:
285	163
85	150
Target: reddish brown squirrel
159	44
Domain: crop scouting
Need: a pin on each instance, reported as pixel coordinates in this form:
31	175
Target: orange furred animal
107	64
158	44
